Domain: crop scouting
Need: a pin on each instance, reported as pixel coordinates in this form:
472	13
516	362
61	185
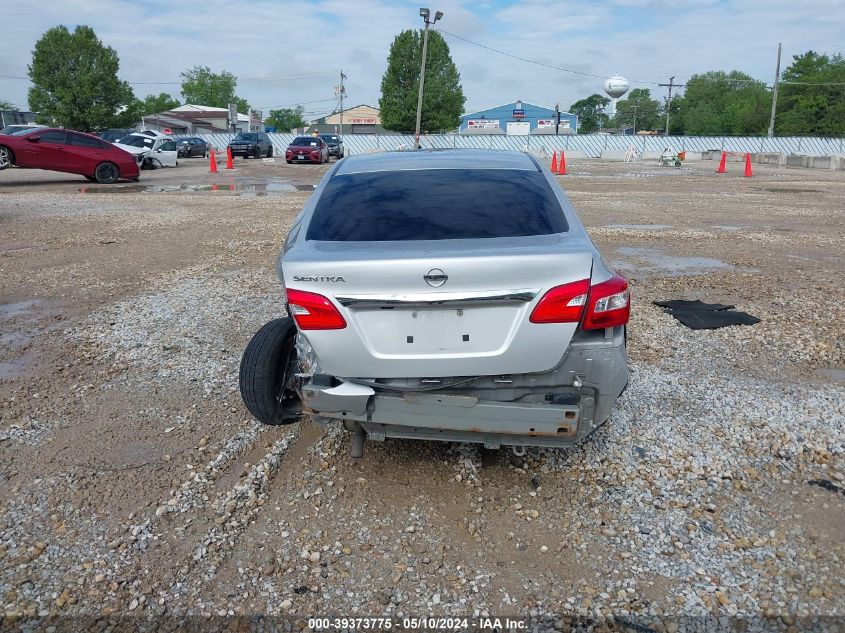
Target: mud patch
249	189
648	260
640	227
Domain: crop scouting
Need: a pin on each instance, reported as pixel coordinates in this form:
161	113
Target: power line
298	103
534	61
179	83
636	81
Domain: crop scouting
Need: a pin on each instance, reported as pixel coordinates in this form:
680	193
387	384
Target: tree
7	105
162	102
203	87
716	103
812	109
74	80
638	107
589	112
286	119
443	97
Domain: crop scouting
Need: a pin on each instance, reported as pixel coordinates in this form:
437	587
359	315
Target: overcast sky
291	52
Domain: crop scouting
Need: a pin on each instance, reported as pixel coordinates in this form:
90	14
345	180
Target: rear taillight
314	312
562	304
609	304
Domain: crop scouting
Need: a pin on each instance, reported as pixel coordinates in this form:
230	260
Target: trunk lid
438	309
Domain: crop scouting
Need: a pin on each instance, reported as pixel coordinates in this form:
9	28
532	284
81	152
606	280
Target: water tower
615	87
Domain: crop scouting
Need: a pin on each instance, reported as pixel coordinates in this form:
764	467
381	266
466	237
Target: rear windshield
436	204
246	136
329	137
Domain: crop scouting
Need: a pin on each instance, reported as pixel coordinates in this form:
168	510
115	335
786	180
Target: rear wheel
106	173
267	372
7	159
270	152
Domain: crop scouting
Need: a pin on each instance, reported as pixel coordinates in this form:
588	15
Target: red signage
167	131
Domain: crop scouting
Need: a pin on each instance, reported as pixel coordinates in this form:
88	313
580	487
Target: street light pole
424	14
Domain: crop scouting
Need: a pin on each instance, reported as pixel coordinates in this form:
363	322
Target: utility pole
341	92
635	107
424	14
670	85
775	95
557	119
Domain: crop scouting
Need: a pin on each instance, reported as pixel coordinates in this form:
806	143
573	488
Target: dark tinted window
168	146
138	140
436	204
246	136
305	141
84	141
330	138
53	137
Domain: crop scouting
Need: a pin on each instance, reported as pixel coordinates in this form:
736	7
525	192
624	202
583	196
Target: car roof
150	134
437	159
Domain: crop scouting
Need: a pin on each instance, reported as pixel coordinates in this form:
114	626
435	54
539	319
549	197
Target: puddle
675	266
22	323
15	248
253	189
834	373
16	368
726	227
12	310
642	227
786	190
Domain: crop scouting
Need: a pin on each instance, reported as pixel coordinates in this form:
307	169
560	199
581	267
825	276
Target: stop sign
167	131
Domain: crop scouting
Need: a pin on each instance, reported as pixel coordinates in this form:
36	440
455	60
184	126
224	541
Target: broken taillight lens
314	312
562	304
609	304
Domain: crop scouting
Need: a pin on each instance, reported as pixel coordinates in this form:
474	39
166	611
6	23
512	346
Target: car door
164	153
83	154
43	151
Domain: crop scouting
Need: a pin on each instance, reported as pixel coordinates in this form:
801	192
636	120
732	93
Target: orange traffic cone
561	168
721	168
212	163
229	163
554	162
747	165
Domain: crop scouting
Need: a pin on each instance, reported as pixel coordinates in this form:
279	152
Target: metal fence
592	145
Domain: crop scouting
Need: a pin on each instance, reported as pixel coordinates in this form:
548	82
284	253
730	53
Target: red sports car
67	151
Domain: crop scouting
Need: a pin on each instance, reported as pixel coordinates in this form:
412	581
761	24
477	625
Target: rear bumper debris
555	408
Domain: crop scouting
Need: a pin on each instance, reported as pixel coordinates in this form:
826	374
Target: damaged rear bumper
554	408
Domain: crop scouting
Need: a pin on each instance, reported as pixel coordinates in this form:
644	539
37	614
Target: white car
152	149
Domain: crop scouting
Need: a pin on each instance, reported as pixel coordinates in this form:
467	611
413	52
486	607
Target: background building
16	117
362	119
518	119
193	119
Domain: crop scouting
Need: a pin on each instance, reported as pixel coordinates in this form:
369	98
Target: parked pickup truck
442	295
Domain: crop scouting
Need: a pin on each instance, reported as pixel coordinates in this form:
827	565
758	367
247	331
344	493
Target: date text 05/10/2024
412	624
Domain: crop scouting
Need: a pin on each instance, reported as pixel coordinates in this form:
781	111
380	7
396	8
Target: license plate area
438	331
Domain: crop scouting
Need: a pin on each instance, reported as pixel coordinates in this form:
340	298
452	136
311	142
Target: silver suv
442	295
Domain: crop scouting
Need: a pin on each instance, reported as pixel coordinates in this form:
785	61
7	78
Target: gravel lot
134	483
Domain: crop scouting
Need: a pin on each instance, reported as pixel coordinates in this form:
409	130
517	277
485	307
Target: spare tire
267	369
